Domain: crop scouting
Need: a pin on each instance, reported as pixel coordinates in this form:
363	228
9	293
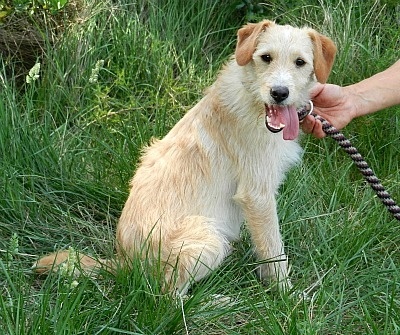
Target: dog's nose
279	93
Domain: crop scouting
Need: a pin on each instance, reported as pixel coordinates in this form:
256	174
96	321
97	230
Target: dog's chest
265	157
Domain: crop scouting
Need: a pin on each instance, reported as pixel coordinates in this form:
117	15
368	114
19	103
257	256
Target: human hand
333	103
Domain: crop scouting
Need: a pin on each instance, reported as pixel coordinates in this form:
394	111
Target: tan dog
223	162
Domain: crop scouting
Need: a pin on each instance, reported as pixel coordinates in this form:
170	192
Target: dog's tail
73	263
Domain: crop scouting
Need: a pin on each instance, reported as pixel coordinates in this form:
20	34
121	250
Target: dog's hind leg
73	262
195	248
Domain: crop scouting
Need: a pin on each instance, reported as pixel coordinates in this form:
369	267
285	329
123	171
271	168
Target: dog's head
285	63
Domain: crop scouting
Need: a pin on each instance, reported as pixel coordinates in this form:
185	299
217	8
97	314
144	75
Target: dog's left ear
247	40
324	55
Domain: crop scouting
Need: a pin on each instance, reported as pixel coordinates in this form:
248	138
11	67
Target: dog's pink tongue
291	121
280	117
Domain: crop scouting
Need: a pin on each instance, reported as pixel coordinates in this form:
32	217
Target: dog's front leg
260	213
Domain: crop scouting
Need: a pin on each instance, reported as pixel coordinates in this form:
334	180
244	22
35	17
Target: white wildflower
33	73
68	267
74	284
14	244
12	248
95	71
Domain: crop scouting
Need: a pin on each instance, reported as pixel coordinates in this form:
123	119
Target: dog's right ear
247	40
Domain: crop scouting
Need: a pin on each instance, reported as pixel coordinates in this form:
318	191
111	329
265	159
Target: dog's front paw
275	275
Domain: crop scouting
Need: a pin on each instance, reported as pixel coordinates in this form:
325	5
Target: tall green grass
69	145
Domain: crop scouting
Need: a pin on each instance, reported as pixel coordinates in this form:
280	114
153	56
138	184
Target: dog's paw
50	262
69	262
275	275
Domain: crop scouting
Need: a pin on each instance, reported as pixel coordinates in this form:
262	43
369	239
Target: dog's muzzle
286	118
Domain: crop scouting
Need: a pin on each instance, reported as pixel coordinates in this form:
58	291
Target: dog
223	162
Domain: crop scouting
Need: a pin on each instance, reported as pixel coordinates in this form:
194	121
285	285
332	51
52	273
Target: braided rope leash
358	160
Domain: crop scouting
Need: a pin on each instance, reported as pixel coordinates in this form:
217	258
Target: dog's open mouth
282	117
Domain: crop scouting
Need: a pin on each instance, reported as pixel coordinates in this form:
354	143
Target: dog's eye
266	58
300	62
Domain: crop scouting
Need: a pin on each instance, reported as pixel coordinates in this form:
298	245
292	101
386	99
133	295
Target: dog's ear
324	55
247	40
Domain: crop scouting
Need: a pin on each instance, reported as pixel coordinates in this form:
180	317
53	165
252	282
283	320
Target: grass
69	146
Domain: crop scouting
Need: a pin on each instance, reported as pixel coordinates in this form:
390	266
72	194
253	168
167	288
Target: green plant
70	141
30	7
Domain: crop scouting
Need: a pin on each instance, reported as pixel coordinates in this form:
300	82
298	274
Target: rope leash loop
357	158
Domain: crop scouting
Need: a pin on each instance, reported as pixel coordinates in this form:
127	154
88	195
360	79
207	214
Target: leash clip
304	111
311	107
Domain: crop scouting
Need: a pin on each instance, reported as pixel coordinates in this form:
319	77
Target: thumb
316	90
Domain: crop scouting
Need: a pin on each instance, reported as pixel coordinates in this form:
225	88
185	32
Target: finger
317	131
316	90
308	124
312	126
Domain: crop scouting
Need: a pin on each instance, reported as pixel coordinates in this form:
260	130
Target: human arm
339	105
